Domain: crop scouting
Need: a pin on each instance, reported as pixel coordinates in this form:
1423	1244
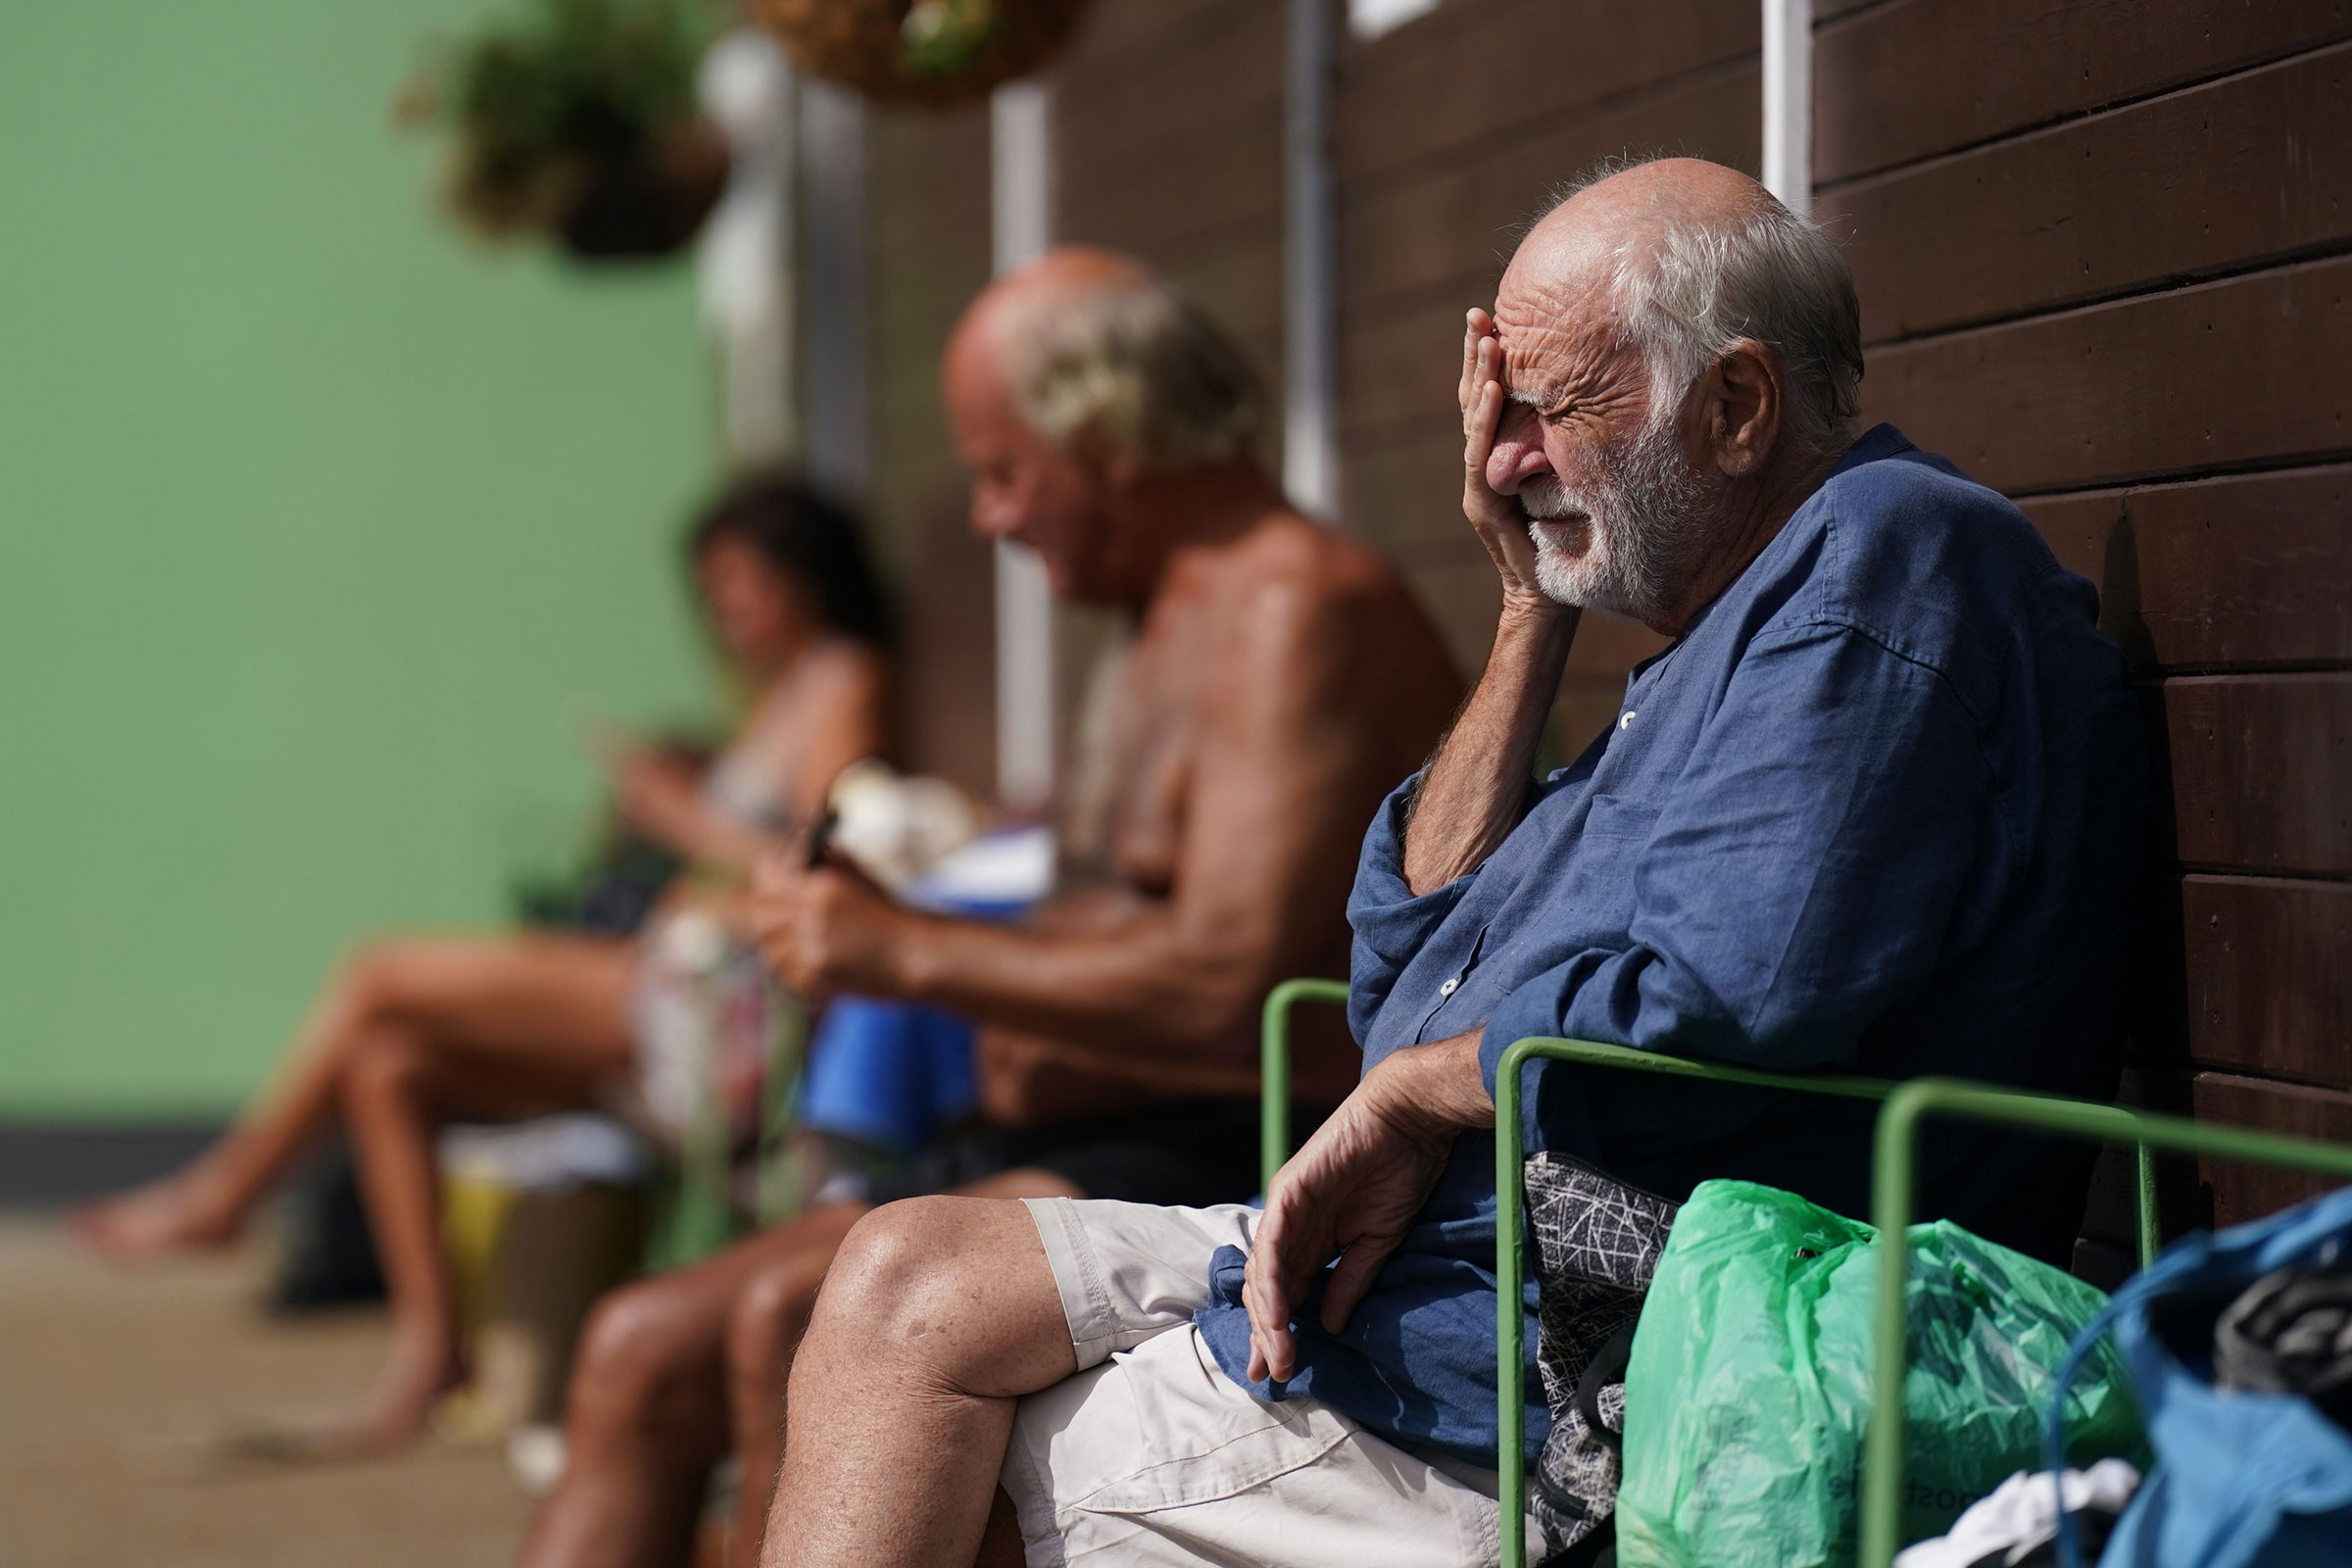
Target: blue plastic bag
2241	1477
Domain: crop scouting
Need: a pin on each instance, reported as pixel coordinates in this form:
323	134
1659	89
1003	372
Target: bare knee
374	978
647	1359
380	1065
901	1273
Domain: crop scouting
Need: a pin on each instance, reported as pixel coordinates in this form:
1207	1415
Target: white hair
1134	367
1763	273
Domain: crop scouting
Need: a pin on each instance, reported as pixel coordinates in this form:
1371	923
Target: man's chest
1140	749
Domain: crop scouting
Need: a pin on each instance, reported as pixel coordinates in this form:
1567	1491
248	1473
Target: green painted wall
314	517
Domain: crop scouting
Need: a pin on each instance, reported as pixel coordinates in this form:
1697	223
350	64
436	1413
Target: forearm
1148	986
1476	788
1437	1090
722	843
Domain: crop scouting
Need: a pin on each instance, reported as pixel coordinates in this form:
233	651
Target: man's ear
1743	414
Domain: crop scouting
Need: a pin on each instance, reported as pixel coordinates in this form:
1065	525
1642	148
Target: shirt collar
1877	441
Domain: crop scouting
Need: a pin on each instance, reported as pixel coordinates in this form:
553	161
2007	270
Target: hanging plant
577	122
934	52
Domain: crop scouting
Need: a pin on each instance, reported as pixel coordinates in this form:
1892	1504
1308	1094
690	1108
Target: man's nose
1518	452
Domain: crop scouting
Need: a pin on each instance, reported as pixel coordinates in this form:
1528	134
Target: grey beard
1642	524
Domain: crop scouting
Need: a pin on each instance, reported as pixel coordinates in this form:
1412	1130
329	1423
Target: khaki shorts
1152	1456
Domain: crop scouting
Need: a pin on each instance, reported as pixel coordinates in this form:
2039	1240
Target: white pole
1310	455
1021	213
1789	102
745	255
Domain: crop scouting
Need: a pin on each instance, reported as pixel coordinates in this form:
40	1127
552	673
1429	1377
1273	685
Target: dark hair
800	532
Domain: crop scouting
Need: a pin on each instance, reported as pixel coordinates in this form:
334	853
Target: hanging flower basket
935	52
577	123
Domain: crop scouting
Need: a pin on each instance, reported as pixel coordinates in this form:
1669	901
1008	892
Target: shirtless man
1279	682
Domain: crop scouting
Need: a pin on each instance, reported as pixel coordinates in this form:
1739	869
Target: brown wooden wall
1168	145
2102	251
1448	132
929	240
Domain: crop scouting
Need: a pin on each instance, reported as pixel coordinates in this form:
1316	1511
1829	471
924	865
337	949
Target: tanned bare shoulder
1293	579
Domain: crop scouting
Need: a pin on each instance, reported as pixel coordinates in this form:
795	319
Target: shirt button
1626	719
1446	990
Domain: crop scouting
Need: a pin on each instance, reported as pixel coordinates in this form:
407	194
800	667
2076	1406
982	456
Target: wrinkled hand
1354	1190
824	929
1499	523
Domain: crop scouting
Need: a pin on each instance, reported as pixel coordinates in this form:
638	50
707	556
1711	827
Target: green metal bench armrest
1274	1069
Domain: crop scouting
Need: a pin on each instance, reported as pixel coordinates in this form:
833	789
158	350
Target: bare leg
647	1416
417	1035
940	1314
400	1086
764	1334
552	1001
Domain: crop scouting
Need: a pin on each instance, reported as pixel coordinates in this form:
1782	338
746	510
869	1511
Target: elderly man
1279	680
1877	808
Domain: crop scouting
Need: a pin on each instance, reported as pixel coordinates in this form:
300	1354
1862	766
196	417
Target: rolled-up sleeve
1799	877
1392	924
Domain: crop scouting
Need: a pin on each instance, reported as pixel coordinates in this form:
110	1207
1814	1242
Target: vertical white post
1310	455
1789	102
745	255
834	394
1022	212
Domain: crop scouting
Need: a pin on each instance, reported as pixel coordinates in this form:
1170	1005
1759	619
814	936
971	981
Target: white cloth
1153	1457
2016	1517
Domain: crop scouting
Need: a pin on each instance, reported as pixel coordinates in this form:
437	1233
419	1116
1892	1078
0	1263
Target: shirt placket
1449	986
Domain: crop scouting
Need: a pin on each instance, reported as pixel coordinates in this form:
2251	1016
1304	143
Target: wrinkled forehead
1557	315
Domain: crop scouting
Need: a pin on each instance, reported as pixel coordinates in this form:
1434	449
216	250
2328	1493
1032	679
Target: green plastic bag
1748	1391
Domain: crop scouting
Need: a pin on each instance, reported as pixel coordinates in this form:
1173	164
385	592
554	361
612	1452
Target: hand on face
1500	525
823	929
1352	1192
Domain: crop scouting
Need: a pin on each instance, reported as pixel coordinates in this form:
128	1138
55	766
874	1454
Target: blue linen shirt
1881	809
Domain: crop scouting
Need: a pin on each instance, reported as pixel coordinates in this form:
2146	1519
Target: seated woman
415	1032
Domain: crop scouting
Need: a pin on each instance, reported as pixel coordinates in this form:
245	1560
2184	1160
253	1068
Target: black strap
1607	1366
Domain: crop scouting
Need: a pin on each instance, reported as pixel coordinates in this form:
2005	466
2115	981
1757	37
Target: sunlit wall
315	522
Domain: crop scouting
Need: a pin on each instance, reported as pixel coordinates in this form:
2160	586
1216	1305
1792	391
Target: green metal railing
1903	1108
1274	1069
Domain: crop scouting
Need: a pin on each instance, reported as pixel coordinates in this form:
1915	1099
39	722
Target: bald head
1598	225
1012	302
1092	349
1685	258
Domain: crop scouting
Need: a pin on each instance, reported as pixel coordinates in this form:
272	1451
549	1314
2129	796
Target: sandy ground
115	1387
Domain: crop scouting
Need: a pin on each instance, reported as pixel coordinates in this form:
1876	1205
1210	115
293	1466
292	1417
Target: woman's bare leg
419	1034
772	1315
940	1314
203	1204
559	1000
